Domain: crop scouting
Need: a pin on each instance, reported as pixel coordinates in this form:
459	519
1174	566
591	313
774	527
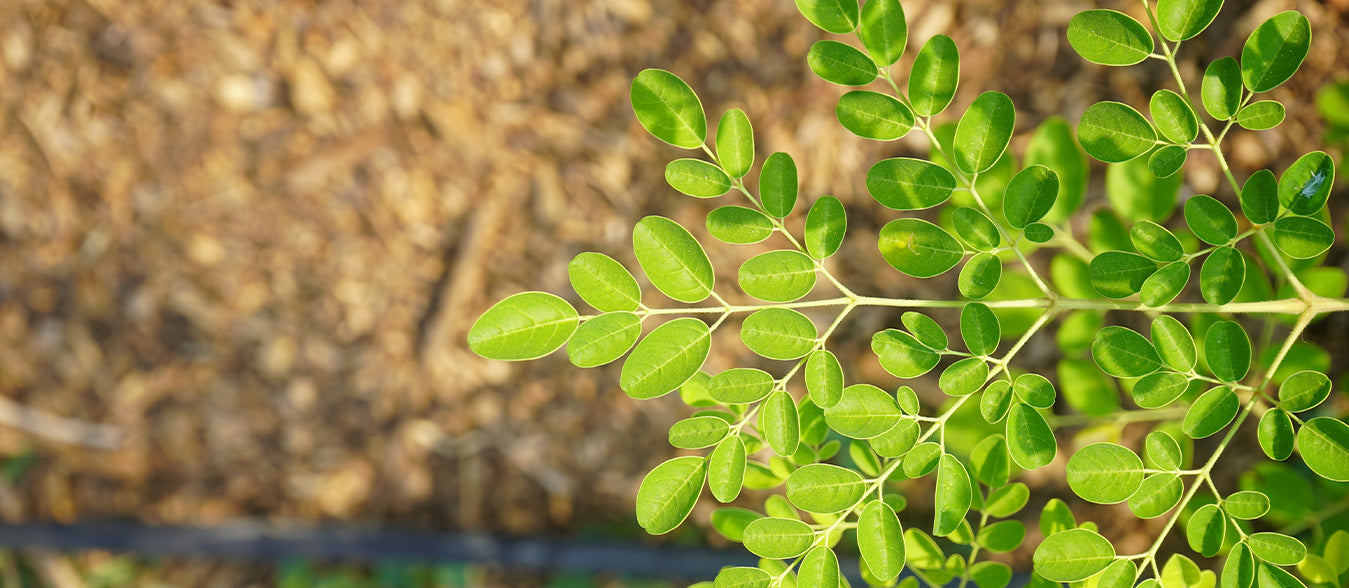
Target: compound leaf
668	108
1109	37
1275	50
672	259
528	325
668	493
919	248
778	276
1105	473
936	71
1073	555
668	356
984	132
778	333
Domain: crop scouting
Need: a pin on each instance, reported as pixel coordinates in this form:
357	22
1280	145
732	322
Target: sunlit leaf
1118	274
824	488
778	185
1029	438
1179	20
1173	116
824	378
735	143
863	412
1276	434
1260	116
726	469
1105	473
1206	530
672	259
836	16
779	423
903	183
778	276
1109	37
668	356
1114	132
1211	412
1274	51
778	538
919	248
739	225
1157	495
935	74
880	539
1324	444
825	225
697	178
668	108
1123	353
1073	555
668	493
984	132
902	355
951	497
603	339
778	333
1276	548
1228	351
1221	88
528	325
841	63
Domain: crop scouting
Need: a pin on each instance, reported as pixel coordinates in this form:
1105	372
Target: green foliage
1228	295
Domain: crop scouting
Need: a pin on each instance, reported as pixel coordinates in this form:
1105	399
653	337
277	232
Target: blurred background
241	243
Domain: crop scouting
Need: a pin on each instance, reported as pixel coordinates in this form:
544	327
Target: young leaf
835	16
1210	220
1105	473
668	493
1211	412
1029	438
880	539
902	355
1206	530
1114	132
603	282
672	259
528	325
1039	233
1108	37
778	184
731	521
824	378
1276	434
884	32
1301	237
1155	241
903	183
1247	505
984	132
1120	574
997	399
668	108
1157	495
980	275
1239	570
872	115
1119	274
1260	116
1324	444
740	386
1123	353
778	333
603	339
1030	195
863	412
919	248
897	441
726	469
825	225
735	143
1305	185
1159	389
907	400
1269	576
975	228
1003	536
778	276
979	328
952	496
1174	117
1073	555
1276	548
1179	20
1228	351
819	568
1260	197
841	63
1167	160
936	71
668	356
697	178
739	225
922	459
779	424
1162	451
824	488
1303	390
963	377
1220	89
1222	275
778	538
1275	50
698	432
1035	390
990	461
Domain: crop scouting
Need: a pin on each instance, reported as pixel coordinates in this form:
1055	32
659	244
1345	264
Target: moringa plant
1212	307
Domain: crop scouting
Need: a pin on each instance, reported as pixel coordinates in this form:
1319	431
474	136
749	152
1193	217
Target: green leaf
824	488
1039	233
603	339
1276	434
1052	145
1158	494
1228	351
975	228
1119	274
1239	570
980	275
997	400
880	539
1167	160
1337	550
672	259
935	74
778	333
951	496
603	282
907	400
1173	343
1035	390
1105	473
984	132
1108	37
1003	536
726	469
824	378
1115	132
1276	548
922	459
1324	444
778	184
1120	574
1210	220
1305	186
1030	195
779	423
902	355
1260	116
988	574
1155	241
1260	197
528	325
835	16
739	225
1269	576
1247	505
1175	119
1303	390
863	412
872	115
819	568
963	377
1029	438
919	248
1221	88
1179	20
742	577
735	143
698	432
668	108
979	328
778	538
1123	353
841	64
668	493
668	356
1007	500
778	276
1206	530
1163	286
697	178
1222	275
1275	50
1159	389
740	386
884	33
1073	555
1302	237
1137	193
731	521
1211	412
903	183
825	225
990	461
1162	451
